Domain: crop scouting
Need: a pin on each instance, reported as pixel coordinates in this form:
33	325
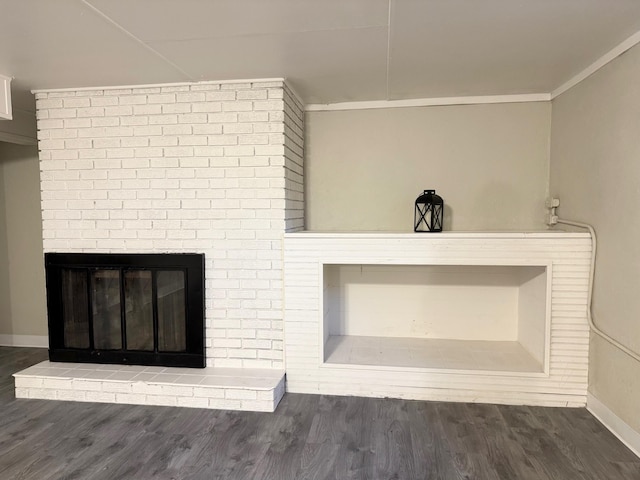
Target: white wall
23	310
595	170
478	302
365	168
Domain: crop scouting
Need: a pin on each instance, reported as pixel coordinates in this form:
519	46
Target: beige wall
23	260
20	130
595	170
5	302
365	168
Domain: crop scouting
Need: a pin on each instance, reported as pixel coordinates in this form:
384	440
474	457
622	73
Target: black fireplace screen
141	309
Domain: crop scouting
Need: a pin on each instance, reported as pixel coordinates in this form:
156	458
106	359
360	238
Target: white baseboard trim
614	424
24	341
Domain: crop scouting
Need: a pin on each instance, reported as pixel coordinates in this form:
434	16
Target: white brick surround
213	168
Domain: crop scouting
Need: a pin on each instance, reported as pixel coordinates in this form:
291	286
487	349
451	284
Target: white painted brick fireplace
213	168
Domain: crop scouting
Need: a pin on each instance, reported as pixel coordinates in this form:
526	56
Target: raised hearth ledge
258	390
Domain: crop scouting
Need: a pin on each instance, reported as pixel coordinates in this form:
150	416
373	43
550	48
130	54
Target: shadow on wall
448	218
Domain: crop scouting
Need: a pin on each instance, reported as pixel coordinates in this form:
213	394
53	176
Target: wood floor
308	437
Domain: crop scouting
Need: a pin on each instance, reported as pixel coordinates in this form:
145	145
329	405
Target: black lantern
429	212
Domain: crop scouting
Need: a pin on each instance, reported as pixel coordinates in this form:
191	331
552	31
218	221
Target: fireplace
140	309
208	167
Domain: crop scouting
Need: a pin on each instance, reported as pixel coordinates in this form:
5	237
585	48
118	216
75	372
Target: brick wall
293	153
213	168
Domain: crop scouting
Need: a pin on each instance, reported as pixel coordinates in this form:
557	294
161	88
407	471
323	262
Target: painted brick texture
236	389
293	161
213	168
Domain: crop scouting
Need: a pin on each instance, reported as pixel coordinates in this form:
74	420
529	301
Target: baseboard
24	341
615	424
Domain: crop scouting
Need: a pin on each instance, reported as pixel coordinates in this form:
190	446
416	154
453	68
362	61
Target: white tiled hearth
217	388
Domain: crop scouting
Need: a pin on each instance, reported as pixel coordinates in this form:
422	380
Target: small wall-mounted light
429	212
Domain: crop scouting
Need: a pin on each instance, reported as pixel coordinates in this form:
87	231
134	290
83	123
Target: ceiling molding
157	85
614	53
356	51
429	102
418	102
21	130
24	111
18	139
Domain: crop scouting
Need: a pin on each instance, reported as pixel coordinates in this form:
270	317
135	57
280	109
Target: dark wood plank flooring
308	437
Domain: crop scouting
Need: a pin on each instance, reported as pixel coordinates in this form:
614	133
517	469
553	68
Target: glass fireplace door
126	314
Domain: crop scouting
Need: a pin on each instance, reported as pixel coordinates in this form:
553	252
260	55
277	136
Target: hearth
140	309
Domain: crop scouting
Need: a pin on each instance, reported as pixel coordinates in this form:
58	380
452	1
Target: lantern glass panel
429	212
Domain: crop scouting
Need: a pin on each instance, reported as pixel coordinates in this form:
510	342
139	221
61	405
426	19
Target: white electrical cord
592	324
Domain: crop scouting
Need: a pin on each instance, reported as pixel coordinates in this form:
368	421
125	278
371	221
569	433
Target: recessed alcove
460	317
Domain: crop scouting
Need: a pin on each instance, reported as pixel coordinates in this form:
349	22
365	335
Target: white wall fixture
473	317
5	98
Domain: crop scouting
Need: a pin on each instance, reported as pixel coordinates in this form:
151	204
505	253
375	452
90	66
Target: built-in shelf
496	317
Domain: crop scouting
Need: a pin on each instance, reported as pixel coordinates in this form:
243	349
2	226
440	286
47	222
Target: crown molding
614	53
429	102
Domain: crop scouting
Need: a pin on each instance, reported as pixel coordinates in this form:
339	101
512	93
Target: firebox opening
140	309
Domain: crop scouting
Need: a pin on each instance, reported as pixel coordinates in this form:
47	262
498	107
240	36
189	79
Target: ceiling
330	50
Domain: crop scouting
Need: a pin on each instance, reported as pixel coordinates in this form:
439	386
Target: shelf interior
468	317
484	355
